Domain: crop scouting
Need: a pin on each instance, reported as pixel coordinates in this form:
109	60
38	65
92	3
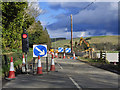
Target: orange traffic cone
11	72
56	55
39	68
53	53
115	63
64	56
73	55
23	64
52	64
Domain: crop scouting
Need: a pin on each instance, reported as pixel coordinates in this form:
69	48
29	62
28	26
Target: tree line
17	16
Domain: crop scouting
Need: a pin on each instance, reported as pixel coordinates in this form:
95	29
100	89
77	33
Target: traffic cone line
64	56
39	68
52	64
12	71
73	55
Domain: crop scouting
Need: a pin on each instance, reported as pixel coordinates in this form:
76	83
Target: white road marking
59	65
75	83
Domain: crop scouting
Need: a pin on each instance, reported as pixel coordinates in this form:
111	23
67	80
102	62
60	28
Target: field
93	40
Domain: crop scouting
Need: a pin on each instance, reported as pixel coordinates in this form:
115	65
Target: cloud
74	0
102	17
88	33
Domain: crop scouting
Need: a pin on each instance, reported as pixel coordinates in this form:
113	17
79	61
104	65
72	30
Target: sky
100	18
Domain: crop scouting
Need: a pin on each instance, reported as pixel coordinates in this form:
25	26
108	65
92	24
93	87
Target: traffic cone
12	71
64	56
56	55
23	64
115	63
39	68
53	53
52	64
73	55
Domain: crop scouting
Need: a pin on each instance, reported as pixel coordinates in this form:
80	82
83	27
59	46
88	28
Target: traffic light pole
26	62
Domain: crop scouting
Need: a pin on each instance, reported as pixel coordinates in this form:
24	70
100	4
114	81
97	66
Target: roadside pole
26	63
47	62
33	64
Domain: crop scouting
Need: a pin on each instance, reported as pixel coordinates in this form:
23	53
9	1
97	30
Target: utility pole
71	35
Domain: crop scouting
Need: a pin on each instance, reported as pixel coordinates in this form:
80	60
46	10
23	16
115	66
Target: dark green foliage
14	20
38	36
56	39
105	46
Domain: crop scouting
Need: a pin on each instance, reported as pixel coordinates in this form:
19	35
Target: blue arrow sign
39	50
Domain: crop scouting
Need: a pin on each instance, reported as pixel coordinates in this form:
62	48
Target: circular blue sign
40	50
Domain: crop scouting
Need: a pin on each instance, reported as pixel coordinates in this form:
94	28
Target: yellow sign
52	50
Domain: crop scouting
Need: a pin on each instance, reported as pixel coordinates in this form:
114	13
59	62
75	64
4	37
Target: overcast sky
100	18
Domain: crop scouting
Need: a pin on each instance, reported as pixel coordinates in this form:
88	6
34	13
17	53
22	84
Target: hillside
93	40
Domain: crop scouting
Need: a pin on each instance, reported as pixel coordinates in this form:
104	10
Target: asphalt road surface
69	74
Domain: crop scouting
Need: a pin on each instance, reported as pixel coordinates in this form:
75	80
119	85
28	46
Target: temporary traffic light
25	42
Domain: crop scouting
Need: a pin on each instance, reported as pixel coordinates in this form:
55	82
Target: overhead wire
89	5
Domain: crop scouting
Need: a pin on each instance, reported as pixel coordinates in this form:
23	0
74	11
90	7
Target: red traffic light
24	35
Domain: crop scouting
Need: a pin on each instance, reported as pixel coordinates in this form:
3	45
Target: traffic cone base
52	68
11	74
39	70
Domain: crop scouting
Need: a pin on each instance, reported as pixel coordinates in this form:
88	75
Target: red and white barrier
52	68
39	67
73	55
12	71
64	56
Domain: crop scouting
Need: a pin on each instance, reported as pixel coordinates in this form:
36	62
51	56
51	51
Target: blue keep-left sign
40	50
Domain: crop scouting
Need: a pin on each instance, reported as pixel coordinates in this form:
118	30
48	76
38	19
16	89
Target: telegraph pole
71	35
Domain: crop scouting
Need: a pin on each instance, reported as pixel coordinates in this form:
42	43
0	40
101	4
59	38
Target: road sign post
33	65
47	63
26	63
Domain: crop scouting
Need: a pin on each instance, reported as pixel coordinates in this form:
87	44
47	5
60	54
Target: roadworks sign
60	49
68	50
40	50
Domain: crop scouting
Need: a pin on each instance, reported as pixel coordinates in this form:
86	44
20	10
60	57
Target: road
69	74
